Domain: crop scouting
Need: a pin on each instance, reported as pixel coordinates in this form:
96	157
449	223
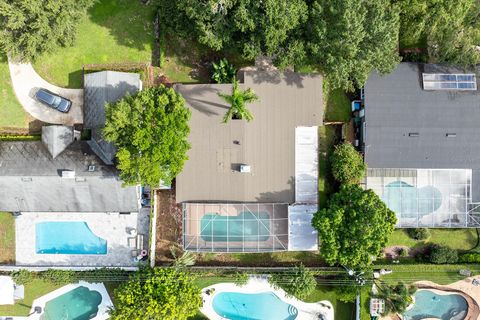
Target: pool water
405	199
253	306
72	237
431	305
246	226
78	304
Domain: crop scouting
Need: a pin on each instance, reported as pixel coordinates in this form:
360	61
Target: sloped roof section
267	144
57	138
101	88
31	180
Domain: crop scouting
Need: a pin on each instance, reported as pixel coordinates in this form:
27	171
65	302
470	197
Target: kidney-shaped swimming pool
253	306
429	304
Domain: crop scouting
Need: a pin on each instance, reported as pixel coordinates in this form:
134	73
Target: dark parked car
53	101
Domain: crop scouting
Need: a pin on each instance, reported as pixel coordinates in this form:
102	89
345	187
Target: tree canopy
355	226
29	28
347	164
157	294
249	27
451	29
150	131
349	39
299	282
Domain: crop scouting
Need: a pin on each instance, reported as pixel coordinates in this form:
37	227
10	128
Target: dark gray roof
101	88
30	180
396	105
57	138
286	101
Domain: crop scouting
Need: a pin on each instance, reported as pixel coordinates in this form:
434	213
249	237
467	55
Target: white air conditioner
245	168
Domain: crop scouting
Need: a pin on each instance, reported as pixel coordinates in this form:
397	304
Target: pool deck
306	311
463	287
112	227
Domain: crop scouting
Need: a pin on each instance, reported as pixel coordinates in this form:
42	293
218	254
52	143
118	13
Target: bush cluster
347	164
419	233
441	255
469	258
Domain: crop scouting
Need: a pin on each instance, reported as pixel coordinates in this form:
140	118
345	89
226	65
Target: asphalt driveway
26	82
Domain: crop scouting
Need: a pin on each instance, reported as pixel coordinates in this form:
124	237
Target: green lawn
12	114
441	274
113	31
337	106
343	311
7	238
460	239
260	259
33	290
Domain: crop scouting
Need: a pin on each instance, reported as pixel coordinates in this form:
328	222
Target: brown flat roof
267	143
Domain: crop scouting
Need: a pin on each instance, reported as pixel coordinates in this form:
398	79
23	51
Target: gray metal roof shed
101	88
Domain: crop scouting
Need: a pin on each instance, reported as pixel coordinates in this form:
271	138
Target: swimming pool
428	304
405	199
246	226
80	303
72	237
253	306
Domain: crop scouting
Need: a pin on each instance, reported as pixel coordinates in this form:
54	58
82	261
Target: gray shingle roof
396	105
30	180
101	88
57	138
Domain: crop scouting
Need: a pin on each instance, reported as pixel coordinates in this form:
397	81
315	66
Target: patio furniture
144	253
134	253
132	232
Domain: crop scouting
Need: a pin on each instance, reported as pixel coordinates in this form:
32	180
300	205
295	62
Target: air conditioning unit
68	174
245	168
91	168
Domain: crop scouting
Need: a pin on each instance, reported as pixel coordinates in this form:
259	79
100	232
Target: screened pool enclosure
438	198
246	227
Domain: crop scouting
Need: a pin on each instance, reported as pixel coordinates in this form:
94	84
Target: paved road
26	82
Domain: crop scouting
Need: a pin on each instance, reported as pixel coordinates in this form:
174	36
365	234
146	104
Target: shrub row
19	137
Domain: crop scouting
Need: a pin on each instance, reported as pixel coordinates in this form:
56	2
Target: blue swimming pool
253	306
72	237
439	306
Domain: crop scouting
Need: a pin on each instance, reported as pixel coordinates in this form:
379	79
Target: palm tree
237	100
397	297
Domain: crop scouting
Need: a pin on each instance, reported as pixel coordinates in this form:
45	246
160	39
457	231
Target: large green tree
347	164
355	226
348	39
450	28
249	27
298	282
157	294
150	131
31	27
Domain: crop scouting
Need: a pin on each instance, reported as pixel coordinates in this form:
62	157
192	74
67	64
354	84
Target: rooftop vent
245	168
414	134
26	179
451	135
91	168
68	174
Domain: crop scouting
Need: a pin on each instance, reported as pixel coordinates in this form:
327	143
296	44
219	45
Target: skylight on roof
449	81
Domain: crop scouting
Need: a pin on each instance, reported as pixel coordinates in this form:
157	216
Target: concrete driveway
26	82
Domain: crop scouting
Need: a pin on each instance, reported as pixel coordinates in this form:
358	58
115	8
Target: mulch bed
169	225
